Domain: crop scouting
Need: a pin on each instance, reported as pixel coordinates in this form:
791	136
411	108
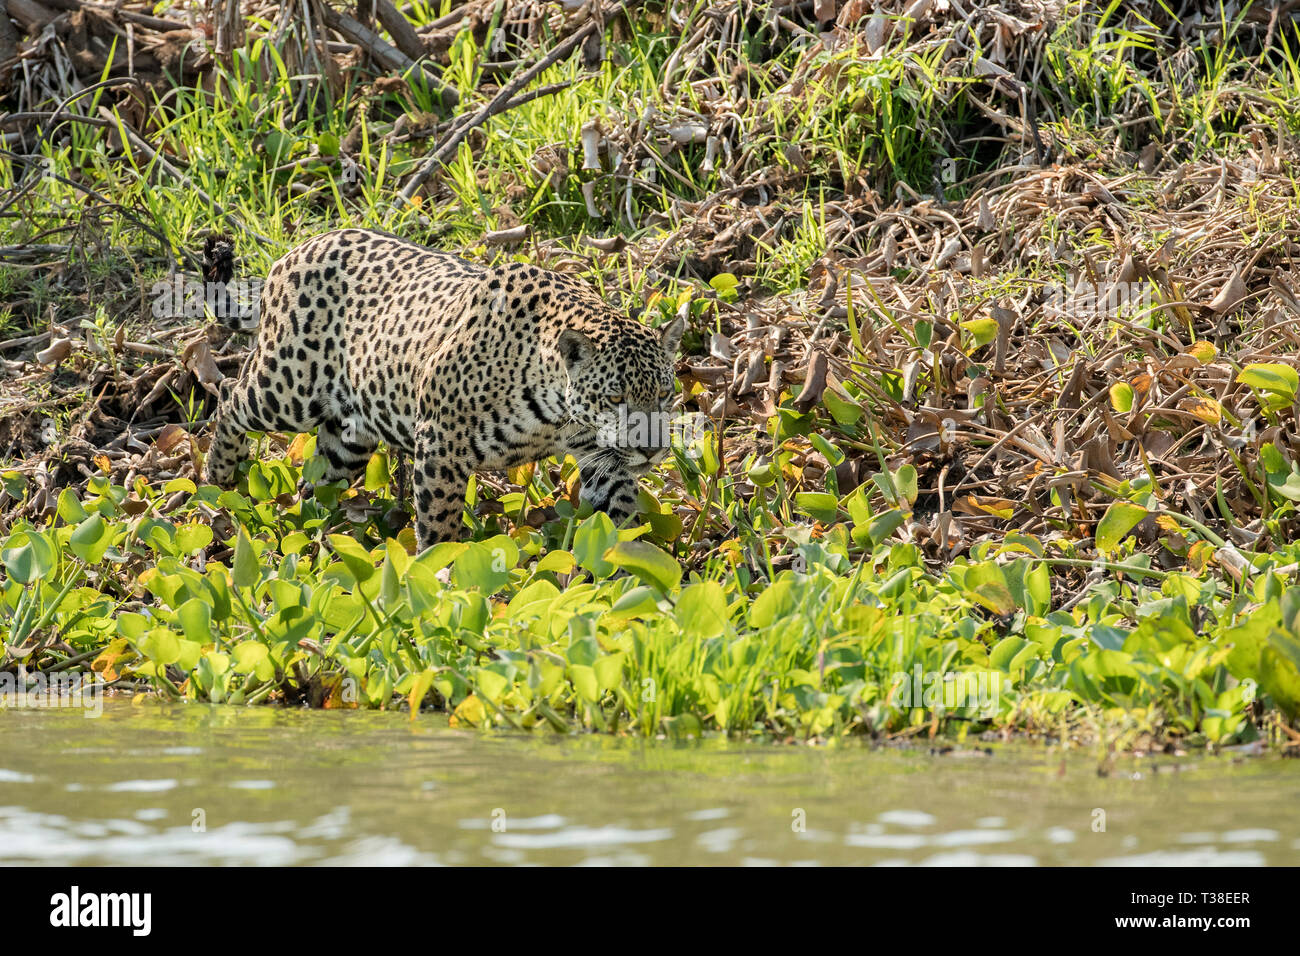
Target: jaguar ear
574	348
670	336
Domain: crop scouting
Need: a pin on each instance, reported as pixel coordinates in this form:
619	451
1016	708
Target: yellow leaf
298	449
1206	409
1203	351
469	712
334	697
1199	555
1121	397
998	507
104	464
103	664
423	681
983	331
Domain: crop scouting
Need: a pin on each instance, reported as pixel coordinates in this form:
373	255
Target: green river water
153	783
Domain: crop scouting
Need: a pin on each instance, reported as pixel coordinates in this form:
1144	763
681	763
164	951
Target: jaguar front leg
439	480
610	487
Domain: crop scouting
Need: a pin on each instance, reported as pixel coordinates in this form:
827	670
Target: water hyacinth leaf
1276	381
378	474
70	509
594	537
725	284
482	567
161	646
884	524
195	617
193	537
584	682
258	486
905	480
14	484
846	413
558	562
359	562
253	657
832	454
986	584
824	507
608	671
647	562
470	712
245	570
1011	653
31	559
774	603
983	331
490	684
1283	477
1120	518
1121	397
1280	670
91	539
638	602
701	610
534	600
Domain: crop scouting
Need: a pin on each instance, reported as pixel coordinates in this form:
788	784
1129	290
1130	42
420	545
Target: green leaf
249	655
584	682
91	539
594	537
482	567
1120	518
905	480
358	561
824	507
724	283
30	561
884	524
608	671
246	570
845	413
647	562
161	646
1278	382
701	610
195	617
192	538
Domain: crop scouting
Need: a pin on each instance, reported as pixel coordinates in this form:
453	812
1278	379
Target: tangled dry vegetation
880	218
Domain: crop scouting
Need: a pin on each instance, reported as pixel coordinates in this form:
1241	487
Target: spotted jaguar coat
467	368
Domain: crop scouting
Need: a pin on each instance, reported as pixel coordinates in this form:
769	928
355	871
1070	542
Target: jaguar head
623	389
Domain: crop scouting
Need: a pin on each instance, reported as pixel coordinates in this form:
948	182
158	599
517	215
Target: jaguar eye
665	393
616	399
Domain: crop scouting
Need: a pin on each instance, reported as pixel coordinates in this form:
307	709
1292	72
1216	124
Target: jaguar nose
648	458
